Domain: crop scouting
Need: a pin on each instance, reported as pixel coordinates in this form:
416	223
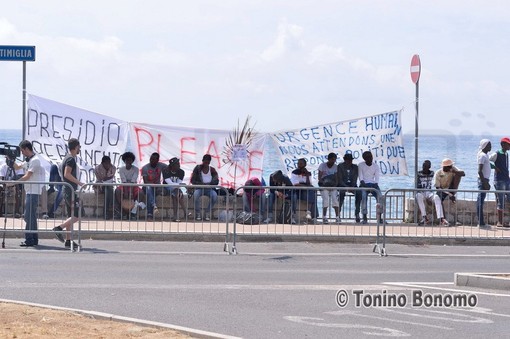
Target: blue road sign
17	53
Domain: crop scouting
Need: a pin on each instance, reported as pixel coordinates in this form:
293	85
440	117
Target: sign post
415	77
20	53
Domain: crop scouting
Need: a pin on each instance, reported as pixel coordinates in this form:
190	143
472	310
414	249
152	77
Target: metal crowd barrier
13	220
461	214
134	215
304	221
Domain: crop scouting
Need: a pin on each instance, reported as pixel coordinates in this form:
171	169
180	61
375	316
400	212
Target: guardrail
305	219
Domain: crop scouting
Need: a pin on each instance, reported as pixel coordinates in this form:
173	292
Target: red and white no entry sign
415	68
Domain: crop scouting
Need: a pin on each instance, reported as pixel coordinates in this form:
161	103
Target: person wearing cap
369	174
484	173
252	198
204	174
347	176
173	177
151	174
501	178
425	179
446	178
327	178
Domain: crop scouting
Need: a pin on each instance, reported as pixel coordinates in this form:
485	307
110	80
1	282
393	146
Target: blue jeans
364	196
208	192
151	192
31	202
502	186
309	197
479	204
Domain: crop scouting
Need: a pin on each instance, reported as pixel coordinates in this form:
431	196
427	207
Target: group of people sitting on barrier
438	186
334	181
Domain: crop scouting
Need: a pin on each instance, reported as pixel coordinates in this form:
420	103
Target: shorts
72	210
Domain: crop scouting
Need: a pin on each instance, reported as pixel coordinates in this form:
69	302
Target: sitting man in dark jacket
347	176
204	174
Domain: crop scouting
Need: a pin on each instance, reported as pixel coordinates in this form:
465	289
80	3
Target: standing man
501	178
484	173
369	174
151	174
69	170
34	173
327	178
347	176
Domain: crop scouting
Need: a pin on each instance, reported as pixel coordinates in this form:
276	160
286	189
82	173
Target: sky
288	64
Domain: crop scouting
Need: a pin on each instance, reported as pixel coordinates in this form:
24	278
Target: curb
497	281
106	316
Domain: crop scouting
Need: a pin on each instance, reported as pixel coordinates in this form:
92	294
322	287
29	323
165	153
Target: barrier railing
15	216
460	213
152	209
272	216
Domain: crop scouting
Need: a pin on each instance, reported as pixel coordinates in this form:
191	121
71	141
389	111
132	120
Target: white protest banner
381	134
50	124
189	145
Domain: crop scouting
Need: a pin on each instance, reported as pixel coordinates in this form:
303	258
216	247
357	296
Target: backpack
285	215
247	218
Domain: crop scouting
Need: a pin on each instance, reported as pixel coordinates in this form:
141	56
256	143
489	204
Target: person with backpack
277	179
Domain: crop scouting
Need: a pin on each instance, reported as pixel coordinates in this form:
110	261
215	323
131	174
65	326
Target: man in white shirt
34	173
369	178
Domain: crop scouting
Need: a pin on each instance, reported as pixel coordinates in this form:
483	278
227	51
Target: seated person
128	197
105	173
447	178
300	177
172	177
347	176
8	173
369	174
328	178
151	174
204	174
277	179
425	179
252	198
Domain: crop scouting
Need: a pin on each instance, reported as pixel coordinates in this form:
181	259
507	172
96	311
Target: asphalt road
268	290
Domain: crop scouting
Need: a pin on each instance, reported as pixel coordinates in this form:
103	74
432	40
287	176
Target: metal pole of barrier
380	216
234	237
227	199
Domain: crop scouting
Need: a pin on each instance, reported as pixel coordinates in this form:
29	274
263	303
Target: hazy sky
288	64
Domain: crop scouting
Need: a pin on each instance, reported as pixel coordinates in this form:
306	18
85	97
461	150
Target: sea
462	149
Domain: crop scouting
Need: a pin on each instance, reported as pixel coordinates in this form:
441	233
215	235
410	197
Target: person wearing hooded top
484	173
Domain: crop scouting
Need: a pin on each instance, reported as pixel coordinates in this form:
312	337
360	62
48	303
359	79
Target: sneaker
45	216
338	220
68	244
207	217
293	221
308	215
176	220
150	217
358	220
25	244
484	226
198	218
325	221
444	222
58	234
268	220
423	221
